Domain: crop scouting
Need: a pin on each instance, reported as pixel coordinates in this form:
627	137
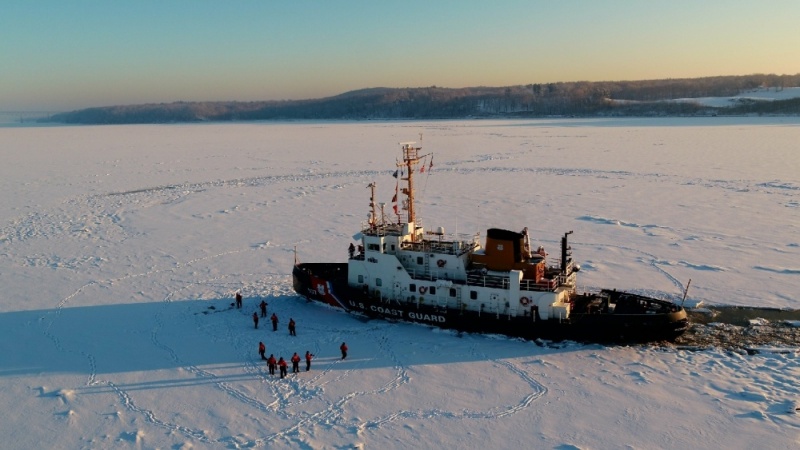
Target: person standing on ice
263	306
295	363
282	366
255	320
274	322
271	363
238	300
308	360
291	327
261	350
343	348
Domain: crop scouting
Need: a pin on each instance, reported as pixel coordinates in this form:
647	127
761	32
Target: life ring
423	289
524	301
441	263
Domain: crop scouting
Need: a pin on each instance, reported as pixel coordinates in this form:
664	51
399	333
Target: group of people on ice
274	320
281	363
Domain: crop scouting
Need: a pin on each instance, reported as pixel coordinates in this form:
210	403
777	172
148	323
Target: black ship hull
327	283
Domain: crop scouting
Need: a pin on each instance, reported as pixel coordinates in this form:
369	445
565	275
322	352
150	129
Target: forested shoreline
645	98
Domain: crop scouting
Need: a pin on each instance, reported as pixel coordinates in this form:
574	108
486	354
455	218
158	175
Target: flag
395	174
395	210
394	199
431	165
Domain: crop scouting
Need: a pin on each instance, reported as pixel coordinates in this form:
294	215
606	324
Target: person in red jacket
295	363
343	348
261	350
255	320
274	320
308	360
271	363
282	366
263	306
291	327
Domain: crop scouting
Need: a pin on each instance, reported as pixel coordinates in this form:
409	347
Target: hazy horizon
60	57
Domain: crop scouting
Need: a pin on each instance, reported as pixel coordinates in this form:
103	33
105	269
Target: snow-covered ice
122	246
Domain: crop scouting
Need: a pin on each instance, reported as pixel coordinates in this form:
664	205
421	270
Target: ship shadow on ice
212	335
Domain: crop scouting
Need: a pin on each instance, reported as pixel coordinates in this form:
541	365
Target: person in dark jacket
255	320
271	363
274	320
291	327
263	306
282	366
295	363
343	348
238	299
261	350
308	360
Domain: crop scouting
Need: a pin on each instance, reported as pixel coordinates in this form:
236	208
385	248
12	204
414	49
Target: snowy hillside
758	95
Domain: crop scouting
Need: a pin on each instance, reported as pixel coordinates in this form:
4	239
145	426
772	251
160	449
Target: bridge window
378	282
452	292
473	295
412	287
433	290
420	261
361	279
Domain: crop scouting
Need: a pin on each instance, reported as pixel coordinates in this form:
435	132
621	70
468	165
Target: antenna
372	204
686	291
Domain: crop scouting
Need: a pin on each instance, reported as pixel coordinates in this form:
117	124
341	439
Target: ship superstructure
402	271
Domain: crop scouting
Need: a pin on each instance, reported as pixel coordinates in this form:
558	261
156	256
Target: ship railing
451	245
387	229
488	280
434	275
545	284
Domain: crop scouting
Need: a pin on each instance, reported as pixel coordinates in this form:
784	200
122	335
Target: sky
60	56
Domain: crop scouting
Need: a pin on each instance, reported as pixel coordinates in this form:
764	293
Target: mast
566	253
373	218
411	157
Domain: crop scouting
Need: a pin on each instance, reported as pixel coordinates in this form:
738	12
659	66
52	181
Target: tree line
581	99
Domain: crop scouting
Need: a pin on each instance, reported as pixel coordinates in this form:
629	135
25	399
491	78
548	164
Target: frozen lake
122	247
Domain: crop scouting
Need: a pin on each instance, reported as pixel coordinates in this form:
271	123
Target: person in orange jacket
271	363
261	350
308	360
343	348
282	366
295	363
255	319
263	306
274	320
291	327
